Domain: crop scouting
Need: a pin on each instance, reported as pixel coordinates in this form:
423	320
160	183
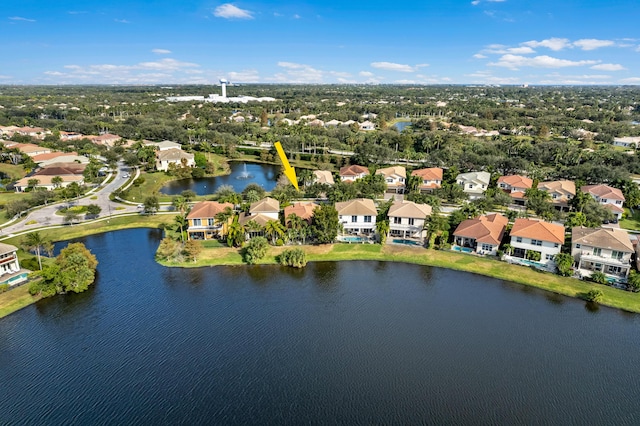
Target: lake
350	342
401	125
242	174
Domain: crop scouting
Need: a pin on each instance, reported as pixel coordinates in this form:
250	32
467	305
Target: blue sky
329	41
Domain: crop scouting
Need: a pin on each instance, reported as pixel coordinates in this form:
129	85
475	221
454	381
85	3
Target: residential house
10	271
561	191
367	126
261	212
353	172
607	250
515	186
164	145
203	224
474	184
431	178
34	132
627	142
179	158
395	178
50	158
28	148
611	198
106	139
482	234
68	172
533	235
323	176
357	216
70	136
407	219
303	210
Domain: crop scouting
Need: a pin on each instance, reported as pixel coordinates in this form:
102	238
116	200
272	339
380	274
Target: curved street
46	215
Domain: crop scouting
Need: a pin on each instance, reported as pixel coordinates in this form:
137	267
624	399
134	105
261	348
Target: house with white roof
323	176
357	216
395	177
607	250
407	219
173	156
474	184
627	142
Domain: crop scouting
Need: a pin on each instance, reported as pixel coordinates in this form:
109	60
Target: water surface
242	174
351	343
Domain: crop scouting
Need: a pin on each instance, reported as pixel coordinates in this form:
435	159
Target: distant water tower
223	82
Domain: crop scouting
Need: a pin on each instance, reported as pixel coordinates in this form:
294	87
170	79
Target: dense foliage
295	258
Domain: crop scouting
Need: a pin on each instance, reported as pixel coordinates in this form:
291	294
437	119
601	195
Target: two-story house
357	216
323	177
203	224
533	235
353	172
611	198
482	234
395	178
303	210
515	186
474	184
607	250
176	157
561	191
431	178
10	271
407	219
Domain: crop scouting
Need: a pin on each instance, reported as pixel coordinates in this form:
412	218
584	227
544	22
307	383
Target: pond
347	342
242	174
401	125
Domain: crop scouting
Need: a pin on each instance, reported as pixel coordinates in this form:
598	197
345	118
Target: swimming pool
462	249
406	242
353	239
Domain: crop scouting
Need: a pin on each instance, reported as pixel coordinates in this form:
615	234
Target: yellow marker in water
289	171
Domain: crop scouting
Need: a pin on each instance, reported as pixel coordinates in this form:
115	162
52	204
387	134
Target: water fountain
244	174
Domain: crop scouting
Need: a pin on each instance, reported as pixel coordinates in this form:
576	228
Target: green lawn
631	221
12	171
15	299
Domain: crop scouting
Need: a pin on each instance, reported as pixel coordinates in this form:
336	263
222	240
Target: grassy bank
445	259
16	299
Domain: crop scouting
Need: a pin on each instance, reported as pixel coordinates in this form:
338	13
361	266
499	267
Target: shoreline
18	298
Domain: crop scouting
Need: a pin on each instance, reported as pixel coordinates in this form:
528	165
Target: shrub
594	295
4	287
139	181
295	258
255	250
279	242
598	277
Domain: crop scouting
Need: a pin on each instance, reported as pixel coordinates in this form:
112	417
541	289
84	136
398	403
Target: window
617	254
354	218
577	246
555	245
211	221
367	219
548	256
197	222
397	220
470	186
597	251
411	221
536	242
518	239
487	247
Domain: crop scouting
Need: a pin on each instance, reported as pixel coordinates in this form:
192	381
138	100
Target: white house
561	191
353	172
611	198
475	184
607	250
9	266
367	126
627	142
357	216
532	235
177	157
407	219
395	177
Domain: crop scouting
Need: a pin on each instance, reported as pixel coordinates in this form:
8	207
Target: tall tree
35	241
325	224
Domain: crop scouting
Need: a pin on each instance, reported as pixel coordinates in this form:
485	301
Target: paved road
46	216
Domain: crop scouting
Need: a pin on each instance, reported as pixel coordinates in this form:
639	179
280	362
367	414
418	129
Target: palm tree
382	227
235	233
180	204
182	222
56	181
35	241
275	229
223	217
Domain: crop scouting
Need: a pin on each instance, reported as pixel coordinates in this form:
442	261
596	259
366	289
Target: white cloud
230	11
244	76
592	43
550	43
122	21
366	74
390	66
296	16
475	2
516	61
522	50
298	73
608	67
161	51
479	56
631	80
20	18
